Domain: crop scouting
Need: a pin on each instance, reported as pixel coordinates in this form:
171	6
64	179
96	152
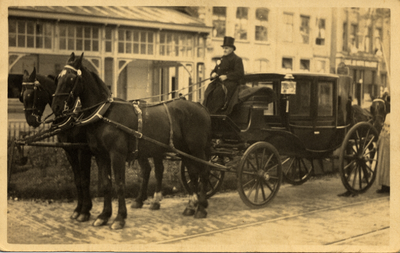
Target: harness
102	108
34	86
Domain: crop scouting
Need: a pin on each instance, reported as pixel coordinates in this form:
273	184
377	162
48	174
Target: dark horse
185	125
379	108
37	91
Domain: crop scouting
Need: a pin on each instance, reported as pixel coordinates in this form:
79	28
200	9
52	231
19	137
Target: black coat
218	95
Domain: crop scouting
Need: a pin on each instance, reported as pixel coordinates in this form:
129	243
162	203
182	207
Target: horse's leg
84	169
159	171
145	169
104	165
201	172
72	156
193	188
118	166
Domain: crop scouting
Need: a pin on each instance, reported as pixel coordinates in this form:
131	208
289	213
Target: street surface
311	215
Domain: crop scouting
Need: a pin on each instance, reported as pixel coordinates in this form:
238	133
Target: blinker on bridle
71	93
34	86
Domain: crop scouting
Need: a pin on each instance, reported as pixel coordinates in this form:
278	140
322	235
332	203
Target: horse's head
76	81
34	97
379	108
69	86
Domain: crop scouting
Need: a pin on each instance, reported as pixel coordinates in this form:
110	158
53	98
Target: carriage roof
281	75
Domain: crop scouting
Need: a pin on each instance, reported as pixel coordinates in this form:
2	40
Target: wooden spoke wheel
214	182
358	158
296	170
259	174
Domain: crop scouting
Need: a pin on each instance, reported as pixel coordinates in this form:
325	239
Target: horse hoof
99	222
136	205
83	217
154	206
201	213
188	212
117	225
74	215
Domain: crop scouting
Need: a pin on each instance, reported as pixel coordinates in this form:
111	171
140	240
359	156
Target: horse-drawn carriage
279	125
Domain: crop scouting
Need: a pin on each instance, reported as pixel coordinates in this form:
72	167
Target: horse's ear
79	62
71	57
26	73
33	74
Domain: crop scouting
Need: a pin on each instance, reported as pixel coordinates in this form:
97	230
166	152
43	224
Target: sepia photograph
200	126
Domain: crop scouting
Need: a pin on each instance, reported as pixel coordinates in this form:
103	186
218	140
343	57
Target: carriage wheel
215	178
358	158
297	170
10	158
259	174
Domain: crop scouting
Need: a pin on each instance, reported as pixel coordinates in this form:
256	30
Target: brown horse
37	91
185	125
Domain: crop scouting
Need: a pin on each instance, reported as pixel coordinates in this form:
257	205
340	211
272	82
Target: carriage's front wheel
358	158
213	184
259	174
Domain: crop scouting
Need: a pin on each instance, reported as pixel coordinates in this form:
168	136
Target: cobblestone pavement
311	214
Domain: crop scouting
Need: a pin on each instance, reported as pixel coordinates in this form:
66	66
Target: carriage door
312	116
325	124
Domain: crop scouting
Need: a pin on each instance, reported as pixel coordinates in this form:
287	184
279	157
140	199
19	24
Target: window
325	99
320	38
261	66
368	40
108	39
135	42
287	63
261	33
300	103
200	47
219	21
241	23
353	38
288	27
305	29
174	44
305	65
30	34
344	37
377	41
81	38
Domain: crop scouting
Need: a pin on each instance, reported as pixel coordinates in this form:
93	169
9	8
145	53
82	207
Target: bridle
35	85
71	93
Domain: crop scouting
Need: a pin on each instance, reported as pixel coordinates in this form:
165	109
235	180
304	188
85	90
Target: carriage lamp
288	87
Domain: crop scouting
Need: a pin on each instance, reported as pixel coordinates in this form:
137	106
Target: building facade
321	40
148	52
140	52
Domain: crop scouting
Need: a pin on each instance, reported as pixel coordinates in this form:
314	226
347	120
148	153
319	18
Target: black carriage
281	123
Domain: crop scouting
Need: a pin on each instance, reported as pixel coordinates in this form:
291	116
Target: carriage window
300	103
325	99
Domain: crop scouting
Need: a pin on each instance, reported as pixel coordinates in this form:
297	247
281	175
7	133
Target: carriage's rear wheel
214	182
259	174
296	170
358	158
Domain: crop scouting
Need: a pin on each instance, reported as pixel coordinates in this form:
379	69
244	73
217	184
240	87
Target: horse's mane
98	80
47	83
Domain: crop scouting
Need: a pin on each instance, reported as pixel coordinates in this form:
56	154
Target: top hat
228	42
